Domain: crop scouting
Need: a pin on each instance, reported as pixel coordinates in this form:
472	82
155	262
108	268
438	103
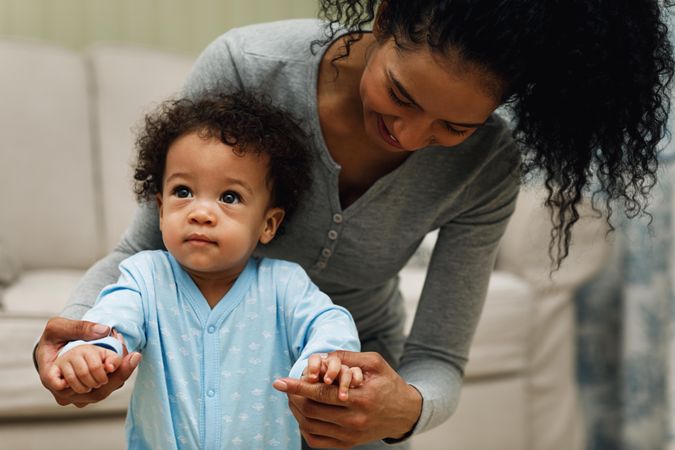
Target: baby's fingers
95	375
314	366
112	362
333	368
357	376
70	375
56	379
345	382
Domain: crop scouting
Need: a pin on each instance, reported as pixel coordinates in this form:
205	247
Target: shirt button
211	393
326	252
211	329
332	235
321	265
337	218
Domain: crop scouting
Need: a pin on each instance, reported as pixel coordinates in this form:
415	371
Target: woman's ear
273	218
158	198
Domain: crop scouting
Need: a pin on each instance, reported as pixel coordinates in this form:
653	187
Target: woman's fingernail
135	359
281	385
101	329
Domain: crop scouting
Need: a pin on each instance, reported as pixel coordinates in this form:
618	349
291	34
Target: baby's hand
330	368
85	367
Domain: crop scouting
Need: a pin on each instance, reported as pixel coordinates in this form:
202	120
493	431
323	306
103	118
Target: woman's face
415	98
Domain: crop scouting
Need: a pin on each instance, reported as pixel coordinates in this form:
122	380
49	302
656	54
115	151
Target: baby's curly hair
244	121
587	81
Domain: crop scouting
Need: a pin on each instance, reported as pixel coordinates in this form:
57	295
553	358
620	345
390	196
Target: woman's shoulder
285	39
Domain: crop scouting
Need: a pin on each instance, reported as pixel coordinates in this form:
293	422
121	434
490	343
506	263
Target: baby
215	326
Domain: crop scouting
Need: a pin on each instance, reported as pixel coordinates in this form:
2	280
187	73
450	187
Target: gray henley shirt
354	254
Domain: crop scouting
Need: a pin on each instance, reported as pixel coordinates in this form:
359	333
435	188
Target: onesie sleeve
313	323
454	292
120	306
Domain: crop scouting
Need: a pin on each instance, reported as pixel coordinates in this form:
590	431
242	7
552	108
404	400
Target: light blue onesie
206	375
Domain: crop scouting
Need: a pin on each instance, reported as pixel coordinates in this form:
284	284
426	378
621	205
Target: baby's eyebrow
177	175
244	185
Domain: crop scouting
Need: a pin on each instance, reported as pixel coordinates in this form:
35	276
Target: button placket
331	240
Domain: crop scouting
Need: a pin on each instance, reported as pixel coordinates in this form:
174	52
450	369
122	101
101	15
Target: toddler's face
214	206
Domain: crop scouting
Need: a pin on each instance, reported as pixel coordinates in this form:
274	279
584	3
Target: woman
406	141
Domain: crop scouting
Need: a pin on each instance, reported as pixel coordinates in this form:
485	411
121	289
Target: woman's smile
386	134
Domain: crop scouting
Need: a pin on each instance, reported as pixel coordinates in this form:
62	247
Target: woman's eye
182	192
395	98
230	197
455	131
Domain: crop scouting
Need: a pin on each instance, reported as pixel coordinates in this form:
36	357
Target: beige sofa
65	156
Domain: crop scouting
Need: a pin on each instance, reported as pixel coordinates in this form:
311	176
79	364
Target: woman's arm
430	374
143	234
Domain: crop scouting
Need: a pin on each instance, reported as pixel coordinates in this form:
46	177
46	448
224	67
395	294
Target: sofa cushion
45	158
502	338
524	247
40	293
9	268
129	81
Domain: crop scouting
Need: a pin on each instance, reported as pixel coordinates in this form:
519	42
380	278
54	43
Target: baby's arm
318	327
330	368
85	367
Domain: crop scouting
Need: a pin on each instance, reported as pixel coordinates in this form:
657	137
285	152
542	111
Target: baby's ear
273	218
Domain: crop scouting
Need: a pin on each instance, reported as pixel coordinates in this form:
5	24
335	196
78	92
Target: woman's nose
412	133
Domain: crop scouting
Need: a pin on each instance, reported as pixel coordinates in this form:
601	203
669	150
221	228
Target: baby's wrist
108	342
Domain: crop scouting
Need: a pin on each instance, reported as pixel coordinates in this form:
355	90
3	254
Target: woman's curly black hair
587	83
244	121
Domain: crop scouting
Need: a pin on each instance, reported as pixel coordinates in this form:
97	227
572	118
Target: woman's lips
385	134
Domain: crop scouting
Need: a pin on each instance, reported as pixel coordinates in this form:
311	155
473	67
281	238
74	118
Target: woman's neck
342	122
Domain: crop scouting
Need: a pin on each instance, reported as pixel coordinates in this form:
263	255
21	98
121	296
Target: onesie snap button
211	393
211	329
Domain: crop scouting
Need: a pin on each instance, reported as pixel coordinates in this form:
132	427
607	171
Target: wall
184	26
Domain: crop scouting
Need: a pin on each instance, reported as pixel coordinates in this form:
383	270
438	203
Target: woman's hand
57	333
384	406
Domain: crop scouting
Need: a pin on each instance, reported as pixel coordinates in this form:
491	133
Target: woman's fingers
323	433
384	405
319	392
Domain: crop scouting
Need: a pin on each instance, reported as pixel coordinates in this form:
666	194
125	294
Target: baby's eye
230	197
182	192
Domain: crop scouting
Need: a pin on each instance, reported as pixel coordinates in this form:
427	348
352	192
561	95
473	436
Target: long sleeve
120	306
314	324
452	298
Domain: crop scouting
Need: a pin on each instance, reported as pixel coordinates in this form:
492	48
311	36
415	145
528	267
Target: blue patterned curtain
625	345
